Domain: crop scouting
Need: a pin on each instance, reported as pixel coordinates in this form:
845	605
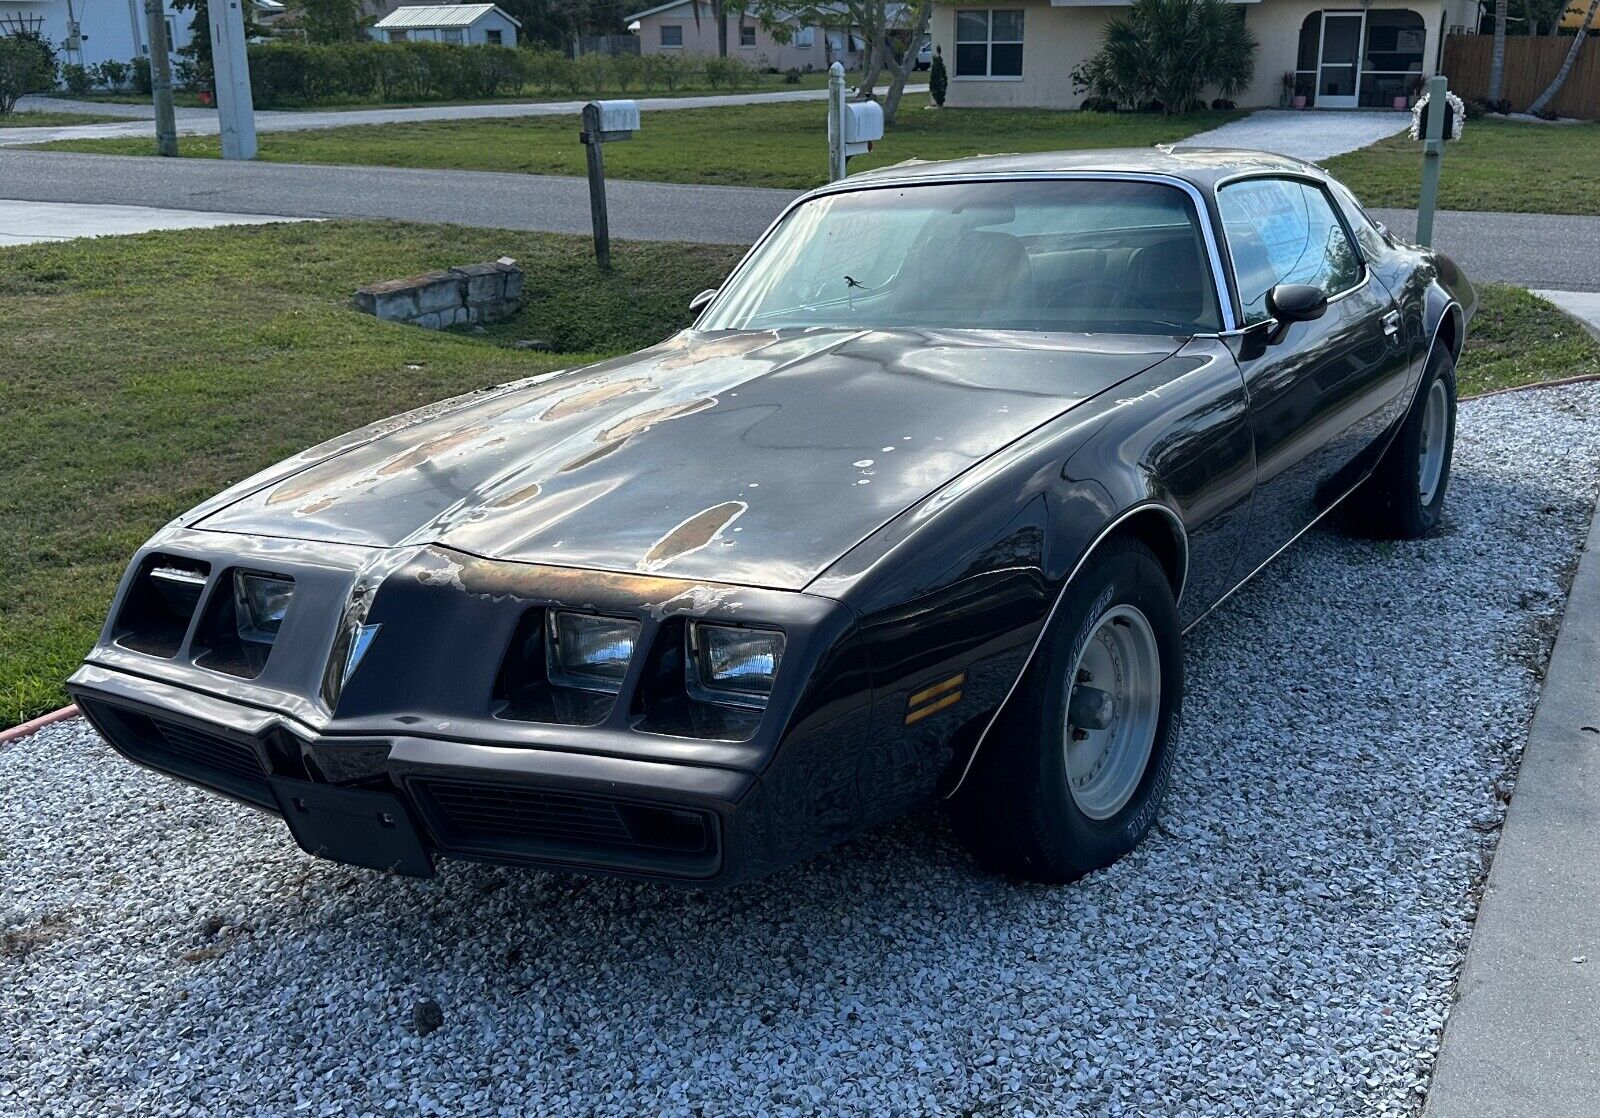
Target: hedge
289	73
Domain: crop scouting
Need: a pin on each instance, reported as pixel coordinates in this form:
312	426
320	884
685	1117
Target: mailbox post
852	128
603	123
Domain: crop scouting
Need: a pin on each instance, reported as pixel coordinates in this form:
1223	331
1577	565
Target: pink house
673	28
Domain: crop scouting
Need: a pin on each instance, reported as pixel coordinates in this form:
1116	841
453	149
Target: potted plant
1286	89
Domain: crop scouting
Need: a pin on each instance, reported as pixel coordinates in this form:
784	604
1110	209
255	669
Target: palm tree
1170	50
1567	63
1497	61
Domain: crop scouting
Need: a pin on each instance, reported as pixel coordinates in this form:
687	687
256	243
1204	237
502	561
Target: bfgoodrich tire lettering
1017	812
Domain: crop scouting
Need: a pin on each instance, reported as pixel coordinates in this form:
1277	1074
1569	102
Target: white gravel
1286	944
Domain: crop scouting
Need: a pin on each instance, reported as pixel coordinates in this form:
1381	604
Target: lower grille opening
508	820
227	764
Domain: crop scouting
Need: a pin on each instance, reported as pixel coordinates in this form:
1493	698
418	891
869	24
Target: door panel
1322	395
1339	68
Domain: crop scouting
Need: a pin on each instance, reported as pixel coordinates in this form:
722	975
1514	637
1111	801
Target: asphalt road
1532	250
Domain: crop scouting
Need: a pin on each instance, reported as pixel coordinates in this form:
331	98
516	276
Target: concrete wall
700	40
1057	39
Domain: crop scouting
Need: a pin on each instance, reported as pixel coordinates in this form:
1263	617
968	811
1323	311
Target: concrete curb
16	733
1521	1040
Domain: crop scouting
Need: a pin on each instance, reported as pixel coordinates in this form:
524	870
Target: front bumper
664	821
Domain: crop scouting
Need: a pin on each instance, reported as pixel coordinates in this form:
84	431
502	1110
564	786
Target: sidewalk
24	223
1523	1040
203	122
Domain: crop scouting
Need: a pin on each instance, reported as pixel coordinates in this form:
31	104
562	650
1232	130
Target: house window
989	44
451	35
805	38
747	35
494	37
398	36
672	34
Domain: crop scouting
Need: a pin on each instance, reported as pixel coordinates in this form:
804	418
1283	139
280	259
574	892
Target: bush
77	78
625	70
791	76
1098	85
1170	51
938	77
141	76
721	71
112	74
26	66
666	70
595	69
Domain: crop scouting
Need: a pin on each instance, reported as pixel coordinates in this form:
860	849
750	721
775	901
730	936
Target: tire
1016	812
1404	497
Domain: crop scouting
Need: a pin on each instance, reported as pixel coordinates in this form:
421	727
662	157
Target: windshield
1050	255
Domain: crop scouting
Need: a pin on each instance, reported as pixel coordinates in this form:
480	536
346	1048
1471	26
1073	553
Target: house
88	33
673	28
468	24
1020	53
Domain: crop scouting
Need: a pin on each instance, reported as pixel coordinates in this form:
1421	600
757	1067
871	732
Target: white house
89	32
468	24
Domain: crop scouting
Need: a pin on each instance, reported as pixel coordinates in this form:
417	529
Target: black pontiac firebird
920	507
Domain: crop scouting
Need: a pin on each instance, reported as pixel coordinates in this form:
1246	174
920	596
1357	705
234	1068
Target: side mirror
1296	302
702	300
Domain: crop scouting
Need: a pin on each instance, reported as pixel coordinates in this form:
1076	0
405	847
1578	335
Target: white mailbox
618	116
863	124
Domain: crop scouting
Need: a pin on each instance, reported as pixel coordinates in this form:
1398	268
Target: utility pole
155	17
230	63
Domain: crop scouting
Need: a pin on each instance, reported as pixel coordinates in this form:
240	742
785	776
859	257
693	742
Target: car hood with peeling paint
755	458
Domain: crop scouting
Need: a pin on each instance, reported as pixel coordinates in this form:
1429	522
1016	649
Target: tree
938	78
891	33
1497	60
331	21
1170	51
1543	102
198	49
26	66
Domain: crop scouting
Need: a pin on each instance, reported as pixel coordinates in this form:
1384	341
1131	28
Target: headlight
583	650
260	604
729	665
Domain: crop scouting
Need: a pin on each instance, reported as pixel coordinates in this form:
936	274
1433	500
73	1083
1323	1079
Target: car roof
1203	167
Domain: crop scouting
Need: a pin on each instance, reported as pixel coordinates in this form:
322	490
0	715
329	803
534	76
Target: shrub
625	70
938	77
1170	51
1101	91
26	66
113	74
668	70
77	78
544	67
791	76
596	70
719	71
141	76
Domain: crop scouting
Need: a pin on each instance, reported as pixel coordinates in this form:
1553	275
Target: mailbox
617	116
863	124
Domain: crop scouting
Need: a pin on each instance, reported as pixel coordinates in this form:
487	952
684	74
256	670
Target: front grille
207	749
214	760
508	820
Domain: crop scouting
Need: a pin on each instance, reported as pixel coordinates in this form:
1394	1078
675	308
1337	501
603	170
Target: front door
1323	395
1339	67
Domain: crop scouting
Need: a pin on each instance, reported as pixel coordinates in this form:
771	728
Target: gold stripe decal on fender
931	700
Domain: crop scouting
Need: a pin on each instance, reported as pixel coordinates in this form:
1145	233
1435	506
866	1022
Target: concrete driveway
1311	136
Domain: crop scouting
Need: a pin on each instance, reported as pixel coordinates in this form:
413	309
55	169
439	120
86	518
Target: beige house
1022	52
673	28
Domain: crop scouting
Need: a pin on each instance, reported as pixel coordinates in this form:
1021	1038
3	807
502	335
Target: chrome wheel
1113	708
1435	424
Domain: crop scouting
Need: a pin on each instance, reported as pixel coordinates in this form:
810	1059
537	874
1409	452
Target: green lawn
42	119
141	374
782	145
1518	338
1503	165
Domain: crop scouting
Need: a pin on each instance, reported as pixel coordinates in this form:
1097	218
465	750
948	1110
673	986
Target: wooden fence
1531	62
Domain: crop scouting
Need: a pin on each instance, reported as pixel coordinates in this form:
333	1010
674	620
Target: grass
765	83
779	145
1519	338
41	119
1499	165
141	374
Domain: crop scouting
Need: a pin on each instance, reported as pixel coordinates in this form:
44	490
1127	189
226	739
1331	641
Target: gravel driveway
1285	944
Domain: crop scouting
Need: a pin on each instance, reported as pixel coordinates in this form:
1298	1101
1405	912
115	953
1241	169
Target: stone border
449	297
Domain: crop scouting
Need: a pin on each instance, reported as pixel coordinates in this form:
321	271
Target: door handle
1391	324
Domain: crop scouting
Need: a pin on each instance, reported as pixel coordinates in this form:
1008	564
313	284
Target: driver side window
1284	231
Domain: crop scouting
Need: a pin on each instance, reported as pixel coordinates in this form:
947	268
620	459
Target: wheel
1071	776
1404	497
